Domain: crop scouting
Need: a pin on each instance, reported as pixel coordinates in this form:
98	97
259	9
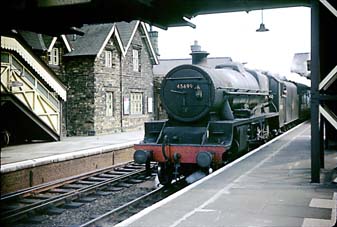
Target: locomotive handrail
178	92
185	78
161	132
244	93
241	89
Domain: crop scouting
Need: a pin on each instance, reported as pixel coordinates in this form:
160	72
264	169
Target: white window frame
54	57
109	103
108	58
135	60
136	101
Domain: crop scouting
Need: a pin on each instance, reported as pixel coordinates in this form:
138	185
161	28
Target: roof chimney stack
154	40
199	57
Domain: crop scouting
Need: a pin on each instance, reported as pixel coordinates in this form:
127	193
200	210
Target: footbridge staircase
31	96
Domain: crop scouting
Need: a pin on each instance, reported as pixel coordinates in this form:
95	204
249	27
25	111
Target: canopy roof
65	16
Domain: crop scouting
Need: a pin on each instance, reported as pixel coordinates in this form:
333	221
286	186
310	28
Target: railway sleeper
72	205
34	219
55	210
114	189
124	184
85	199
74	186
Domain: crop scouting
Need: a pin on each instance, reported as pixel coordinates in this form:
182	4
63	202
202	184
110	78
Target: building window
136	60
149	105
108	59
109	97
136	103
53	57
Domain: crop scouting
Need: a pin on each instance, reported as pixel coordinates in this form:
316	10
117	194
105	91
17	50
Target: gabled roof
149	44
34	40
127	31
42	42
165	65
96	37
94	40
48	40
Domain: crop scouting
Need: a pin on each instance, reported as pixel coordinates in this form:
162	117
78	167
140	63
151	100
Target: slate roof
95	36
41	42
165	65
47	40
125	30
34	40
92	40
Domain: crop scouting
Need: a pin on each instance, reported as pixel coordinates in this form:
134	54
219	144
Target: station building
97	83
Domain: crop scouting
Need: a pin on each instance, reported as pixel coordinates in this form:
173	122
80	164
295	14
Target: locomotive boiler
214	115
192	92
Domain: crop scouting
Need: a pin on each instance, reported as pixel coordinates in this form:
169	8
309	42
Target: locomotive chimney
199	57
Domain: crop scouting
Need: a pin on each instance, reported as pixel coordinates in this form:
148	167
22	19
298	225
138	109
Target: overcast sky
234	35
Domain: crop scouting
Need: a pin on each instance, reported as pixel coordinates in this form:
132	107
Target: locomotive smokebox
199	57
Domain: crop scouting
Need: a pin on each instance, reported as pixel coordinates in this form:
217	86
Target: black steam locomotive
217	114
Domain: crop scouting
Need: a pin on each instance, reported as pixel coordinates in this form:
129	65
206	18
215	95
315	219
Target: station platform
270	186
32	164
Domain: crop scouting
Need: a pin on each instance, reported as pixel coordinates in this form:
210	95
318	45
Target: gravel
102	204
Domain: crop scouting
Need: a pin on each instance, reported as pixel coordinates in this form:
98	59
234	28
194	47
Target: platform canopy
60	17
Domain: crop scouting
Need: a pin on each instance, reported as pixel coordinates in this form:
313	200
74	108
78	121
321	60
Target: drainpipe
121	90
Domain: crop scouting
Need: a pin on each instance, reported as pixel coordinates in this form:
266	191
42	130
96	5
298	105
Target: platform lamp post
262	27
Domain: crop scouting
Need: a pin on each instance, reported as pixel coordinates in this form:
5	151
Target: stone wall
137	82
107	80
80	105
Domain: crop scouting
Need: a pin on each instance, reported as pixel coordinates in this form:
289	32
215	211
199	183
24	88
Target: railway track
52	198
123	212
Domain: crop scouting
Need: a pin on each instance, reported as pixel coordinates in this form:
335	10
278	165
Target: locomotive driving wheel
165	174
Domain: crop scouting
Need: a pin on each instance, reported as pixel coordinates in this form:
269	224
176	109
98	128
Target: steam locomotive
217	114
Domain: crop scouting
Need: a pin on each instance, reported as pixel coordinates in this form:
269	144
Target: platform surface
268	187
30	155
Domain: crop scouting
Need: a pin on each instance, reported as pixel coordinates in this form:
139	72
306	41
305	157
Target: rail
17	206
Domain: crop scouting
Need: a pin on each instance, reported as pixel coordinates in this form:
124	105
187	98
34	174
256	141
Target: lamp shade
262	28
